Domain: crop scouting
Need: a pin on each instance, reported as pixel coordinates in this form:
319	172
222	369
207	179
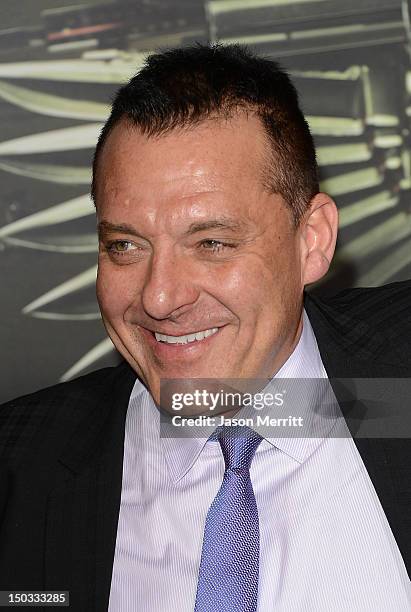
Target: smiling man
211	225
193	241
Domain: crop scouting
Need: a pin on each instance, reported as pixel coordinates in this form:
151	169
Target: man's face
191	242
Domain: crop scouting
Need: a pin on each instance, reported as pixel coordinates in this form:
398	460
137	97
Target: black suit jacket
61	451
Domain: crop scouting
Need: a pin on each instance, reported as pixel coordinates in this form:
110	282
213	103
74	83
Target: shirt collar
181	453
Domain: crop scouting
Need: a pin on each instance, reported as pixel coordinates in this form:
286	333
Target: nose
169	287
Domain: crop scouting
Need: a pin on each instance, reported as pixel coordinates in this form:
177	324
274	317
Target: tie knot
238	445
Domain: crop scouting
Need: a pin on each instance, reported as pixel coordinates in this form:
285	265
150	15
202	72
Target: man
210	226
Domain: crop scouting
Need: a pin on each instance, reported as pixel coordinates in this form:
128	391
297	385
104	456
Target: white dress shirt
325	542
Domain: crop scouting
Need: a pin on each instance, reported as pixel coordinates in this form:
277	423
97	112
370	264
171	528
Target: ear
318	233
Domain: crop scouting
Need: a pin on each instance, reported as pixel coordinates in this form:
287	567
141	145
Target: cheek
270	289
114	293
250	291
269	275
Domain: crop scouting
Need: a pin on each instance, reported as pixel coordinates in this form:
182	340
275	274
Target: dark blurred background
59	67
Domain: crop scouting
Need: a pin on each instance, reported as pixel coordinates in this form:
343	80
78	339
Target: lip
191	349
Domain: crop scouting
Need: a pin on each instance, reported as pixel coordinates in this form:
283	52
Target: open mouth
186	339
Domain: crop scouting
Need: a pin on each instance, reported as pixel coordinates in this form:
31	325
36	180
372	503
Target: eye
120	247
215	246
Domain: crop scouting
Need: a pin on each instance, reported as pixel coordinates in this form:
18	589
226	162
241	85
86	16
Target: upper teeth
185	339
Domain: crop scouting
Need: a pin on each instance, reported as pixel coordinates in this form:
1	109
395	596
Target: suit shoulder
49	395
55	408
376	305
373	321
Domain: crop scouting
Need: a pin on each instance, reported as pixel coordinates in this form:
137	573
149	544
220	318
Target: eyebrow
224	223
123	228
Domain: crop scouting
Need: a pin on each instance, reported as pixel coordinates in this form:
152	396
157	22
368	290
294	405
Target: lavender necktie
228	577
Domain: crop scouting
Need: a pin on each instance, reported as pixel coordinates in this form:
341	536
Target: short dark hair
182	87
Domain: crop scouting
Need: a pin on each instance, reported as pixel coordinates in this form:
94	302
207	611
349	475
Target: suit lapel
83	508
348	349
109	488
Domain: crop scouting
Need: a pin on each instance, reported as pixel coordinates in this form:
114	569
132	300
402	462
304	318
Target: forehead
216	151
163	183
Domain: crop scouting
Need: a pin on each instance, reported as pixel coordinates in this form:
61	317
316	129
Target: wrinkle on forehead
183	175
